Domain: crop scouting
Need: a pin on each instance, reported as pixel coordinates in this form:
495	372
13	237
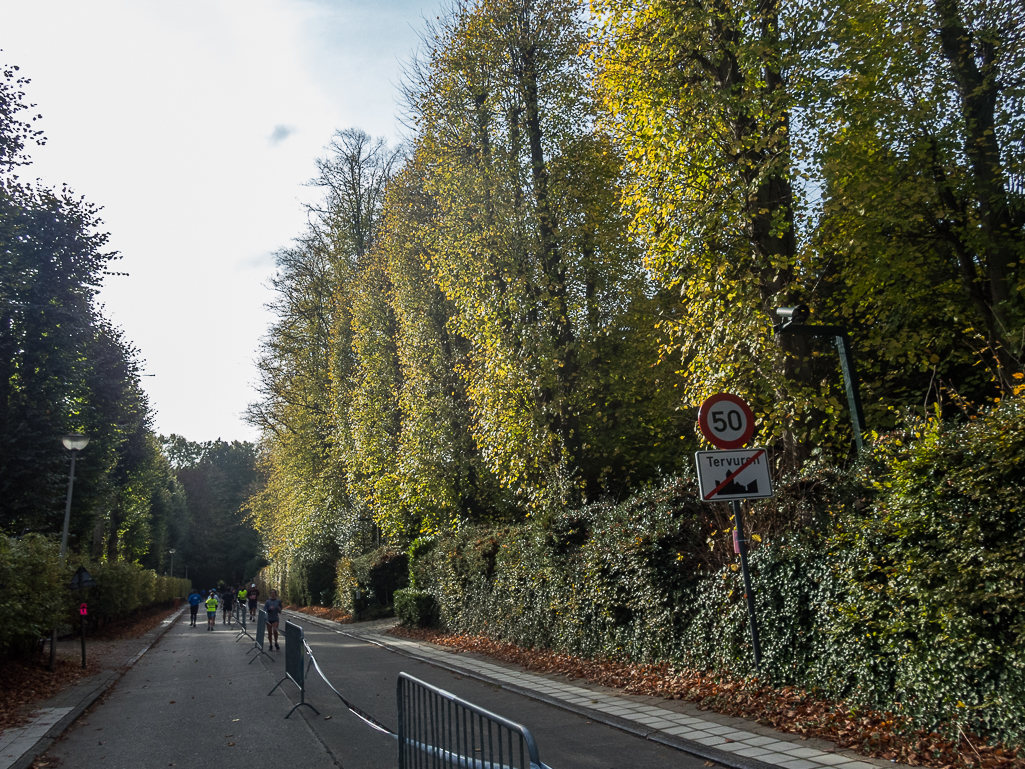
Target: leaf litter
787	709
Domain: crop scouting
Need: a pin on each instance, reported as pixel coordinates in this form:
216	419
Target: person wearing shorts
273	608
194	599
211	610
253	596
227	601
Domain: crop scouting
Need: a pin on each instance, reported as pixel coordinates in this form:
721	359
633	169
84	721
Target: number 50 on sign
726	421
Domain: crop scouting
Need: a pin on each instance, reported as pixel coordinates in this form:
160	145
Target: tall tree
529	246
701	96
923	218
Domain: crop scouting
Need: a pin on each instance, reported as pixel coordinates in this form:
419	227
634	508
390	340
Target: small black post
742	546
82	617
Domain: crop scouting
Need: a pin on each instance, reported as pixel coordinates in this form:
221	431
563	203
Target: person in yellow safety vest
211	609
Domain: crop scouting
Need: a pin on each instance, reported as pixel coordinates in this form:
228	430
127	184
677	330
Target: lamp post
73	442
171	551
792	322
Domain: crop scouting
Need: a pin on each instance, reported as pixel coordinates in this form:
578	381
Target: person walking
273	608
253	596
211	610
194	599
227	601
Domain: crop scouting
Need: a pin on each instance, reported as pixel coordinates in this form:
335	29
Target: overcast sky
194	124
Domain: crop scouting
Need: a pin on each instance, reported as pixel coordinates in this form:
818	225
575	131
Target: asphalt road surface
194	700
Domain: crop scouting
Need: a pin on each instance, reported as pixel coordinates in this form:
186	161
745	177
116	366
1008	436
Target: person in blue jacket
194	599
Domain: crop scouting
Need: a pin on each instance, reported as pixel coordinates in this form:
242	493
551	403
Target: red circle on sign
726	421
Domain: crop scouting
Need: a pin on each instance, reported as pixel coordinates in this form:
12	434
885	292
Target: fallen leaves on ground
133	626
788	709
335	615
28	680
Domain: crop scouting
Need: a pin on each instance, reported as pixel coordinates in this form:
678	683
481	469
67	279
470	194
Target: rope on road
360	714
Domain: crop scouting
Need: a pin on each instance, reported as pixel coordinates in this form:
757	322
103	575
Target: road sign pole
748	590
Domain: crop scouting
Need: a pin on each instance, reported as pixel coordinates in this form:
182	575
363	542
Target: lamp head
75	441
797	314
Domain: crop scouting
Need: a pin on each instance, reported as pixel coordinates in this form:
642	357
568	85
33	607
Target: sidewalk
20	745
733	742
192	700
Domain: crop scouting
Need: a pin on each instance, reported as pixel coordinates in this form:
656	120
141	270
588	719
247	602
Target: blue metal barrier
438	729
261	630
295	665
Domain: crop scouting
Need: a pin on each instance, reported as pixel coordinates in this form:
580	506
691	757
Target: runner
227	601
211	610
194	599
273	608
253	596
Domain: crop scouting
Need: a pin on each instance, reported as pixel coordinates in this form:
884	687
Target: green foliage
901	594
366	585
36	598
64	368
220	546
33	587
415	608
938	576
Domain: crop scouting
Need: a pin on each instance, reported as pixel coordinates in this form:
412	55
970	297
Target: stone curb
706	752
112	677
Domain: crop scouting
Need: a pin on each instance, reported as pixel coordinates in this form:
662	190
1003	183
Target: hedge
35	597
900	589
366	586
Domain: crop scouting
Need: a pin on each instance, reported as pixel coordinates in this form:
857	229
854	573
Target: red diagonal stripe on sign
733	475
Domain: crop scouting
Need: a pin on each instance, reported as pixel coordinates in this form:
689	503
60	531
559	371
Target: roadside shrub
35	597
367	584
415	608
33	591
898	586
123	588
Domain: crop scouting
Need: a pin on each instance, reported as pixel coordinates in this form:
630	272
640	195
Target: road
195	700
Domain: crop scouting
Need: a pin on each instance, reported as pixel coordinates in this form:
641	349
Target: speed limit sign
726	421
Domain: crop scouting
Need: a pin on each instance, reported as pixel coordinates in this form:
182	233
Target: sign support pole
748	590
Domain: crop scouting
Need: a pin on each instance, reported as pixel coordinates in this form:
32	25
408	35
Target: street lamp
791	321
73	442
171	551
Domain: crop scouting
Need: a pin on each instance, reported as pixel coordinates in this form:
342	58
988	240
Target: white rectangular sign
727	475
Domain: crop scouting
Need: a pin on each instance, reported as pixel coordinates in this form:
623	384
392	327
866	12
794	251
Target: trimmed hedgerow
899	588
366	585
415	608
35	597
31	599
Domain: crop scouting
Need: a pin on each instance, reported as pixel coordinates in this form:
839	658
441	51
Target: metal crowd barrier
240	624
295	665
438	729
261	630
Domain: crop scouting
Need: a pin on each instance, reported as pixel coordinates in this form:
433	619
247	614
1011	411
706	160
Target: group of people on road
247	597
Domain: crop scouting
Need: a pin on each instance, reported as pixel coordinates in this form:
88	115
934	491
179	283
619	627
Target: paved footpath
195	700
